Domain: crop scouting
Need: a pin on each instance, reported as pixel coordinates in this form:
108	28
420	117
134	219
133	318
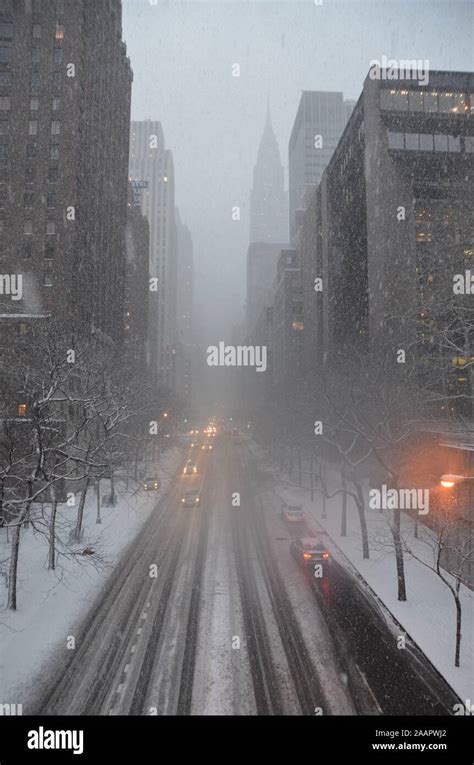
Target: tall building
137	292
152	176
287	327
65	87
390	227
262	261
185	298
268	198
318	126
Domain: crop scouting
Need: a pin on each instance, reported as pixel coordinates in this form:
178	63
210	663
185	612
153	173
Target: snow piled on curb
50	603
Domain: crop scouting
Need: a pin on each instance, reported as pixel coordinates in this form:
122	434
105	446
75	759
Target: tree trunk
80	512
344	505
362	521
12	577
112	490
395	528
458	630
52	533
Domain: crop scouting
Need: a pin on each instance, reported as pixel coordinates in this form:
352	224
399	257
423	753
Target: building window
33	127
30	173
27	251
411	141
441	142
431	101
50	227
29	199
57	79
5	103
3	127
31	150
34	104
56	103
59	34
54	151
3	196
35	81
445	102
48	279
454	143
469	143
58	56
5	54
395	140
400	100
386	100
5	79
55	127
415	99
6	30
23	328
51	200
426	142
49	251
28	227
53	174
22	410
3	151
35	55
37	31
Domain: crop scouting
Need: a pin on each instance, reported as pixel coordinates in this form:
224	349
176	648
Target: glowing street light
449	480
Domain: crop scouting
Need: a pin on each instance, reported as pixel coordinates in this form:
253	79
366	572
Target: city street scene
236	373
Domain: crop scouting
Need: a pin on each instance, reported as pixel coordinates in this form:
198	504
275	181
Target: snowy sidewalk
429	614
52	603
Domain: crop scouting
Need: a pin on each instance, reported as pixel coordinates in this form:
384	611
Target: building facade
318	126
65	87
152	175
390	227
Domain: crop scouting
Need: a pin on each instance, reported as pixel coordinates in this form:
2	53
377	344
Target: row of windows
50	227
48	253
6	78
35	102
5	101
447	102
429	142
33	127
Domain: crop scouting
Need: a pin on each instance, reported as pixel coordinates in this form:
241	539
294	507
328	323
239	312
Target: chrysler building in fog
268	198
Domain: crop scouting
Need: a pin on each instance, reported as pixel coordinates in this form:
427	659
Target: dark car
309	550
151	484
191	498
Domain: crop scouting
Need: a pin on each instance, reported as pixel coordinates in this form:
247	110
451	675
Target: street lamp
448	480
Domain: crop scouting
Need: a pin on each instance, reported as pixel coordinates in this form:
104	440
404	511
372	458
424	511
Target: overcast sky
182	54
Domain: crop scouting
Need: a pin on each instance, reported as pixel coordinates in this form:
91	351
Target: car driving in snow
292	513
191	498
309	550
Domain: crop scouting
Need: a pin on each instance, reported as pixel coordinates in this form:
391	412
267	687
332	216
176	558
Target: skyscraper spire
268	199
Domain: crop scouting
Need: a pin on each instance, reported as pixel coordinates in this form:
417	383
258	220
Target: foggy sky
182	54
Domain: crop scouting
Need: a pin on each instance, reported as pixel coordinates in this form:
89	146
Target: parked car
151	484
292	513
207	447
191	498
309	550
